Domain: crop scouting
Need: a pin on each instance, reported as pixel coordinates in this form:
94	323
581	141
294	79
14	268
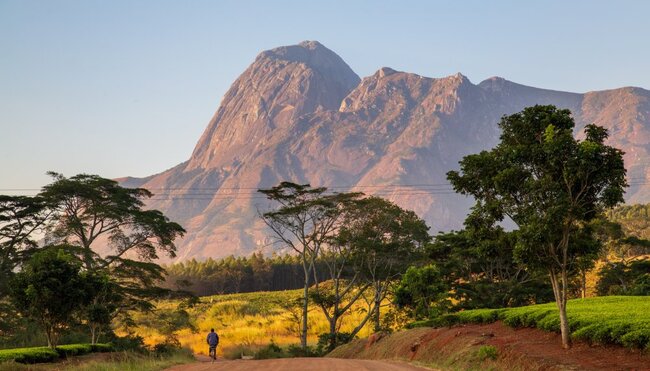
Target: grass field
246	322
622	320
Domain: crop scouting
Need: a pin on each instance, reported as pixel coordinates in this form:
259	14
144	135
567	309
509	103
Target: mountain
300	113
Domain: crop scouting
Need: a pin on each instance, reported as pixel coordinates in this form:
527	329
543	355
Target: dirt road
298	364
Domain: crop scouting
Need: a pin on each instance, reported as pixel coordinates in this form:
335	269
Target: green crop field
622	320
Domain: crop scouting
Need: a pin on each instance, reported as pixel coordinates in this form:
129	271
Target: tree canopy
549	184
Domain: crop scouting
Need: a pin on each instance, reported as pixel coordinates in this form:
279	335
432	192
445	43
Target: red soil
523	349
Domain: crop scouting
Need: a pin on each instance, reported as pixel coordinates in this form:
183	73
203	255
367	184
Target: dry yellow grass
248	321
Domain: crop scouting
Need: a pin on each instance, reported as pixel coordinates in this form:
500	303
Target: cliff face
299	113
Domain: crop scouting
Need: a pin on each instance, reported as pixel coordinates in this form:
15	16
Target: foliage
550	185
51	289
621	278
634	222
326	344
487	352
621	320
45	354
479	266
231	275
383	240
29	355
423	291
304	220
245	323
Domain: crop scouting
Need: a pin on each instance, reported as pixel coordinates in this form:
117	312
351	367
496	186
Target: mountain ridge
300	113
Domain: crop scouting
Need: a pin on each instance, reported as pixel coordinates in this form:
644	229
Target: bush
487	351
621	320
29	355
45	354
297	351
637	339
129	343
72	350
324	345
270	351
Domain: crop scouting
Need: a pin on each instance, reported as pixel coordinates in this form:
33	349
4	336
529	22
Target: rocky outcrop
300	113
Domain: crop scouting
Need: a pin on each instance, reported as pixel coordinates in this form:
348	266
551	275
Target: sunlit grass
250	321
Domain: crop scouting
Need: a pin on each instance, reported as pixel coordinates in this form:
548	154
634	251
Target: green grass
621	320
45	354
127	361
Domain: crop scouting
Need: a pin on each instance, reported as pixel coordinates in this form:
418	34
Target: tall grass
247	322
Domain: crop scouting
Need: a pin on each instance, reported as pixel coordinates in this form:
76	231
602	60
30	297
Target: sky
125	88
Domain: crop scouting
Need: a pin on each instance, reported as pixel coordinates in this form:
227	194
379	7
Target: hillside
299	113
517	345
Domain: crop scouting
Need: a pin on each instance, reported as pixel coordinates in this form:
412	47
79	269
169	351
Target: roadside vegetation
618	320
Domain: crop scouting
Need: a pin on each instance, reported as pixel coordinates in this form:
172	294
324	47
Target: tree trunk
305	308
376	314
333	339
564	326
583	283
560	301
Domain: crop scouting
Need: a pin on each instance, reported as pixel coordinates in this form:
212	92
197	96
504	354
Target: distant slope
299	113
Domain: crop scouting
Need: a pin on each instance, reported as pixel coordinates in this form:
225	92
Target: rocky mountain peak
281	85
299	113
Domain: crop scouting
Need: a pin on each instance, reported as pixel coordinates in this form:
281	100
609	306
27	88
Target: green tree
550	184
304	220
89	211
88	207
423	291
478	264
51	290
385	240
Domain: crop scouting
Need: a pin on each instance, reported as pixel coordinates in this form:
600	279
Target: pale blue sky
126	87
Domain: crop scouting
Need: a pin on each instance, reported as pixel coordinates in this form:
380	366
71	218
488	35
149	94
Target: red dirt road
298	364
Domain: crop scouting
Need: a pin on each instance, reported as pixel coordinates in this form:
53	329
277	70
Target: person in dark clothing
213	341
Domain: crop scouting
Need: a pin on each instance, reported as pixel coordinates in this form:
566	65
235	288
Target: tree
478	264
88	207
51	289
305	219
89	210
423	291
20	218
384	240
550	185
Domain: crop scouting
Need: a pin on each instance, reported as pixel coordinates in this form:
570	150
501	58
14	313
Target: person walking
213	341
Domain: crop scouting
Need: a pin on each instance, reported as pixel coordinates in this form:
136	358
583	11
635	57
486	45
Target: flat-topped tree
304	220
88	207
91	210
550	184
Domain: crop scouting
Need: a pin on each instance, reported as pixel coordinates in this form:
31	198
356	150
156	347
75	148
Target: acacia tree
21	217
550	184
385	240
21	220
88	211
305	219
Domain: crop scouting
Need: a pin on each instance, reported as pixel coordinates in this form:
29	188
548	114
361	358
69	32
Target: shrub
487	352
29	355
324	345
298	351
270	351
72	350
637	339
